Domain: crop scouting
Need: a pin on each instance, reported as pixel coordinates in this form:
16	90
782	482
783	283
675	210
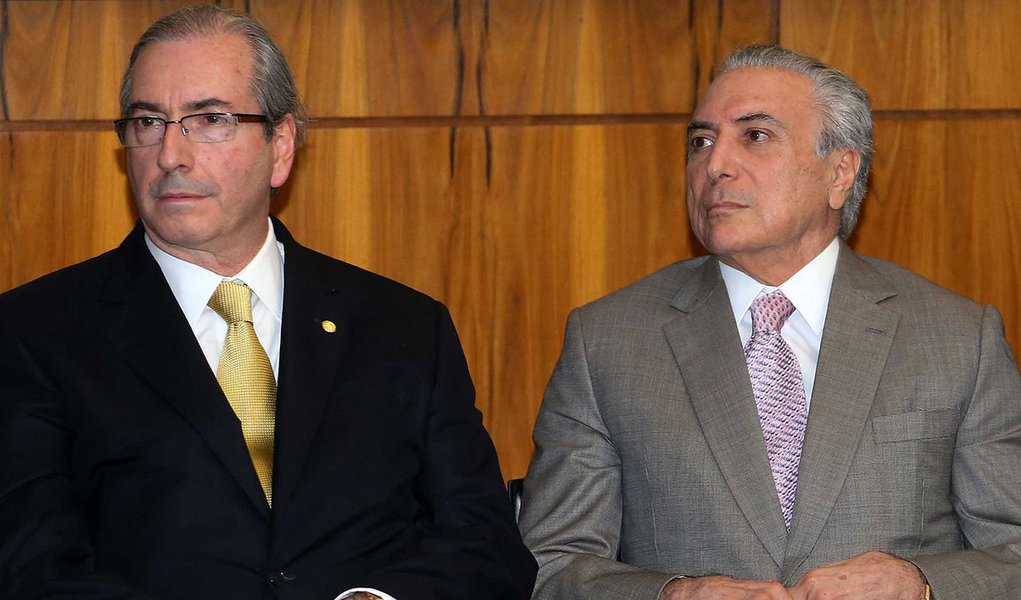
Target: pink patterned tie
779	394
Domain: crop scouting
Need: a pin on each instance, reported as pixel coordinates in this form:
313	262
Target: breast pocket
915	426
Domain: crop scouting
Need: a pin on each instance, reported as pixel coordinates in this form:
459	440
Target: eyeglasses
209	128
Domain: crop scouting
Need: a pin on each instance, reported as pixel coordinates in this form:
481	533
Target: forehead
172	73
784	94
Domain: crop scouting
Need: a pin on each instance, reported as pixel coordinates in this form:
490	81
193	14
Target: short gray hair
272	81
844	109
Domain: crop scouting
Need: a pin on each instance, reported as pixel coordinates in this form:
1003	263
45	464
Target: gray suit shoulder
914	289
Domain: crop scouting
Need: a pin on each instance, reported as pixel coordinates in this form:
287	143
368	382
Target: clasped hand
869	576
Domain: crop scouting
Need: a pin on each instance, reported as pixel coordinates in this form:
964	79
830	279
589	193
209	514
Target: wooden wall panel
7	191
588	57
938	54
596	216
370	58
65	60
949	213
357	58
722	26
70	201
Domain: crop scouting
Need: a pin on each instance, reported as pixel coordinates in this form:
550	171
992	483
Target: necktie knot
770	312
232	300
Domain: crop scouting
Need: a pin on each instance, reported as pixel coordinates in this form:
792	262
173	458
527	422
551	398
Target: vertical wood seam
455	6
4	107
774	18
479	91
696	71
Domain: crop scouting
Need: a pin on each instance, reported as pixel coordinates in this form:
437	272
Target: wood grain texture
366	57
70	202
65	60
939	54
587	56
950	213
596	215
722	26
8	256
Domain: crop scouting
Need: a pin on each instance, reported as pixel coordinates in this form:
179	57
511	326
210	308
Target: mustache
179	184
719	195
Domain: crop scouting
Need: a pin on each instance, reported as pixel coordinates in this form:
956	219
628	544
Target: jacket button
280	577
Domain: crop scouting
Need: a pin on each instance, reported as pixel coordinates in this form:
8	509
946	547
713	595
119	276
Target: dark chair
515	487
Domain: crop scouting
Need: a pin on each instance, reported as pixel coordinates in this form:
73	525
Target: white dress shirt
809	292
193	286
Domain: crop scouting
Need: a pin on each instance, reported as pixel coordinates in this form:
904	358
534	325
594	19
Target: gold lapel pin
329	326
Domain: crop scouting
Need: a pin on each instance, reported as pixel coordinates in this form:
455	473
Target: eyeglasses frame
119	124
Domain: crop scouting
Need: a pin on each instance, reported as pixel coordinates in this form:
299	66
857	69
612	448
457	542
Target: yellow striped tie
246	377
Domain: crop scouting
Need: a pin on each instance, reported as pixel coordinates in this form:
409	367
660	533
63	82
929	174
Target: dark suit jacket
123	470
650	460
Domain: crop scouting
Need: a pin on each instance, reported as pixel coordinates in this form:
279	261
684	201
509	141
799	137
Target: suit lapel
856	341
706	345
154	339
311	353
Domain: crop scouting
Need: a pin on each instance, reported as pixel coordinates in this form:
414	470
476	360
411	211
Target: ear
283	142
845	164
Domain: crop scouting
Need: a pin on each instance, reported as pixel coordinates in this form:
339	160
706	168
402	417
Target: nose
720	164
175	150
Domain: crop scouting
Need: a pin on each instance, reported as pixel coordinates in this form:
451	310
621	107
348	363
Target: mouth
173	197
718	209
175	188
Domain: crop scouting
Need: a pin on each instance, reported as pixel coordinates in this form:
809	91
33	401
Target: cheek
137	168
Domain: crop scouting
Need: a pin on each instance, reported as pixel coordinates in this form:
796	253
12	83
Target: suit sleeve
986	476
571	509
470	547
45	542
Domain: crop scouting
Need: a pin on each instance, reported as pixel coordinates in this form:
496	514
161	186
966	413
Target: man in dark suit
323	443
784	419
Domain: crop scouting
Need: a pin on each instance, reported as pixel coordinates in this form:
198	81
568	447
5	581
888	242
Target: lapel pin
329	326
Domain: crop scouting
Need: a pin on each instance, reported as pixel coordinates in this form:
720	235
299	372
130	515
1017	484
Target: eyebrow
745	118
760	116
144	106
697	125
195	105
207	103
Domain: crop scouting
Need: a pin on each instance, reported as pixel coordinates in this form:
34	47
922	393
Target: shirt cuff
354	591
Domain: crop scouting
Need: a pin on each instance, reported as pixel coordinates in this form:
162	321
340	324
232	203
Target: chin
725	245
179	233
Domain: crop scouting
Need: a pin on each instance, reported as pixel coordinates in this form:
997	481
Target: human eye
756	136
698	142
148	122
213	119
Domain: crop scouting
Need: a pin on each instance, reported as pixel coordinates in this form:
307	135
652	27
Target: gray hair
844	109
272	81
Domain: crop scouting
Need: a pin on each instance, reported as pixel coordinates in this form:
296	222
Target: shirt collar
192	285
808	289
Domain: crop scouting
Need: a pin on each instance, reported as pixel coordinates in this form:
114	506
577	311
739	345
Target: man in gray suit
874	453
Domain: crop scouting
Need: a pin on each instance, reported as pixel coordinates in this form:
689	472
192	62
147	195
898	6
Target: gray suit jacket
650	461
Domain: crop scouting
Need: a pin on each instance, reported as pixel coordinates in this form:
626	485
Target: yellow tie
247	377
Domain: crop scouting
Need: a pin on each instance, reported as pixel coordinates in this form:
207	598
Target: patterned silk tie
246	377
779	394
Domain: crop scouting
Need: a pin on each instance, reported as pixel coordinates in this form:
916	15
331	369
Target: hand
869	576
719	587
